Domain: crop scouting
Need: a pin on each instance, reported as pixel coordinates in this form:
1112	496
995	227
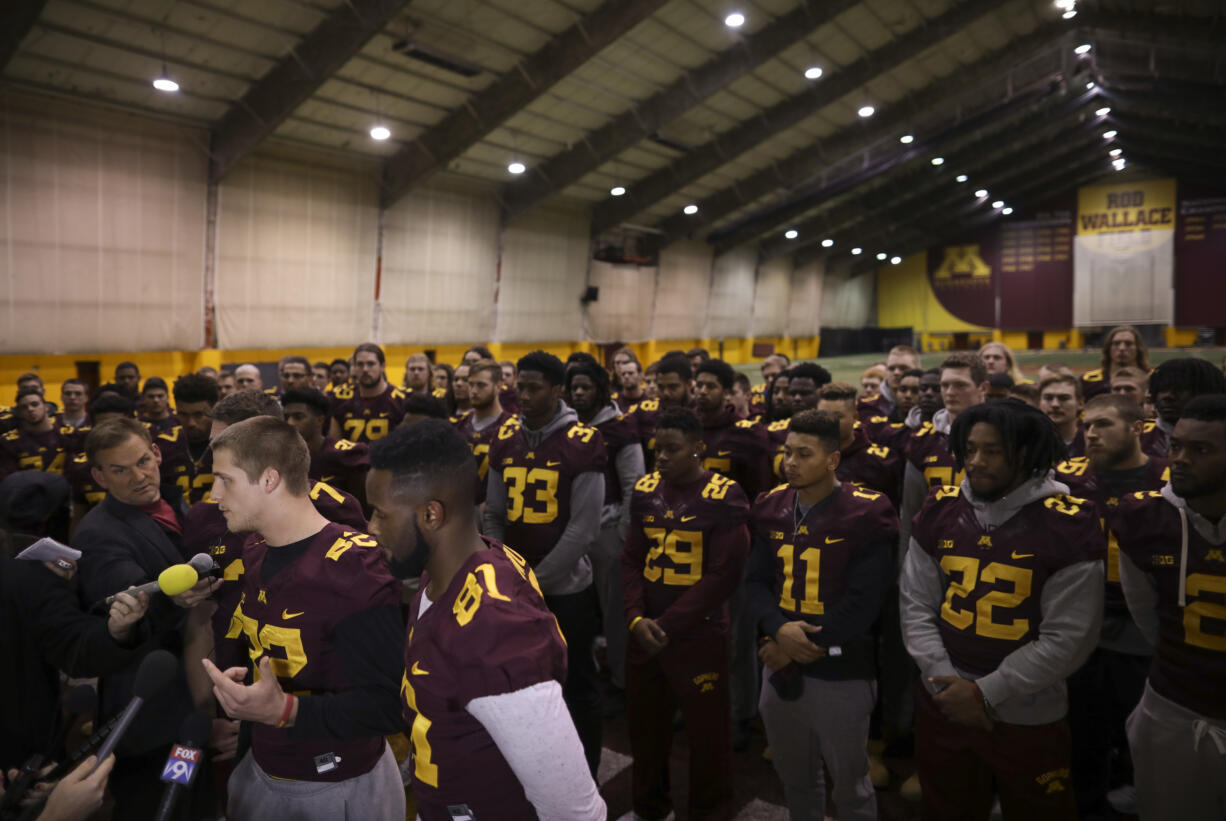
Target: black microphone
185	759
155	672
80	700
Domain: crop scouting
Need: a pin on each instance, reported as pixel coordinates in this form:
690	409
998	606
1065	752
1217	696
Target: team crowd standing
436	591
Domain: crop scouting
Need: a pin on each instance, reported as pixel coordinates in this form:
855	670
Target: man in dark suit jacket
129	538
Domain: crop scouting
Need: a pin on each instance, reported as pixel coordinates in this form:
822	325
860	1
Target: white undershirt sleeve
535	734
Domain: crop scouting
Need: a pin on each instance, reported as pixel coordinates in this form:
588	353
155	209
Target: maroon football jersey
85	491
22	450
812	557
871	466
479	442
777	436
680	536
508	399
538	481
894	435
291	618
178	467
8	421
1093	383
489	634
365	419
202	481
757	400
205	531
339	461
871	405
619	432
1189	664
625	403
739	449
157	426
1105	492
1154	441
644	415
929	452
994	579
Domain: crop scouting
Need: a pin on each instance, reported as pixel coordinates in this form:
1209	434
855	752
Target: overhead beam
513	91
17	17
812	160
1194	109
687	91
1196	136
731	144
295	78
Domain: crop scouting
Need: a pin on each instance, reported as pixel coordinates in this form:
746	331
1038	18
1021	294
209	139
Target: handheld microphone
155	672
184	761
204	564
176	579
80	700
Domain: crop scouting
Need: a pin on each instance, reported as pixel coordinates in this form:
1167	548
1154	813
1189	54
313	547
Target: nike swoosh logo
688	518
724	453
286	615
552	464
1017	555
417	671
832	541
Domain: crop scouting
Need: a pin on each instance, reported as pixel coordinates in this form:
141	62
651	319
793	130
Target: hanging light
791	233
164	83
1110	135
1084	48
998	204
827	243
617	191
813	72
734	20
1103	112
961	178
516	167
882	256
981	193
380	132
895	260
866	111
938	160
1006	211
690	209
906	139
855	252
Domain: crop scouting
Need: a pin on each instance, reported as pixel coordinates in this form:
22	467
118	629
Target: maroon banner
1200	248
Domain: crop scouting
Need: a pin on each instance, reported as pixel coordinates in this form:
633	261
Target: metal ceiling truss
511	93
727	146
295	78
17	17
812	160
687	91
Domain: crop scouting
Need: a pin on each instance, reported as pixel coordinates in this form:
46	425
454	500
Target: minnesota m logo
962	262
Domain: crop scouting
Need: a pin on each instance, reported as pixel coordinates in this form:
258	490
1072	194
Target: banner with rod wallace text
1124	254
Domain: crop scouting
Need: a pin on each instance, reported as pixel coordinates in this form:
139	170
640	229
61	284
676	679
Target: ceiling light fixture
938	160
855	252
961	178
734	20
981	193
380	132
866	111
906	139
1084	48
827	243
617	190
690	209
1119	164
1110	135
1070	14
813	72
1090	84
517	167
1103	112
1064	4
1115	152
164	83
1006	211
791	233
895	260
998	204
882	256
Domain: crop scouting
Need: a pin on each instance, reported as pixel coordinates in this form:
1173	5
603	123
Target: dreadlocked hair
1028	436
1188	373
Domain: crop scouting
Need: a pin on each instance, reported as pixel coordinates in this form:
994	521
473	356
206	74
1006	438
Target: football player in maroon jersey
736	448
1109	685
488	416
127	378
417	373
484	659
294	373
155	406
1060	399
36	444
544	496
74	393
319	621
897	435
884	401
339	462
247	378
674	385
1001	597
683	559
630	389
861	462
1123	347
770	367
195	396
818	574
338	375
1173	570
587	391
804	380
320	376
1173	384
368	410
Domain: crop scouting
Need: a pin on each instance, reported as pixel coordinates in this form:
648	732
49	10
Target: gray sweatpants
606	559
744	669
1179	761
377	795
828	723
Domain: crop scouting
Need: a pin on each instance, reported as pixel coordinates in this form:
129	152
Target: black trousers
578	615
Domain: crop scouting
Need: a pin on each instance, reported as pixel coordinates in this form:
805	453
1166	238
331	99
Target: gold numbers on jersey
1197	612
581	432
682	547
967	570
866	494
343	444
1063	504
369	429
542	508
947	492
469	599
717	465
717	488
525	572
320	488
811	558
648	483
482	452
187	483
264	639
937	476
423	769
879	451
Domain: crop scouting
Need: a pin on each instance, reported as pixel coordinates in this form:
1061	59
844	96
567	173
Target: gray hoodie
914	485
1028	685
566	568
630	468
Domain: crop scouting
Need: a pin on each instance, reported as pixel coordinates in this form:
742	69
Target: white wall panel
847	301
101	230
805	298
544	268
623	312
683	291
296	247
771	297
730	314
440	258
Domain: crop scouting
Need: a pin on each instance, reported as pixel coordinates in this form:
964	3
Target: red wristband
289	708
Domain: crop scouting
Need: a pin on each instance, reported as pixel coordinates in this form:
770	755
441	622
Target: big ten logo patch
1053	781
962	263
705	682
